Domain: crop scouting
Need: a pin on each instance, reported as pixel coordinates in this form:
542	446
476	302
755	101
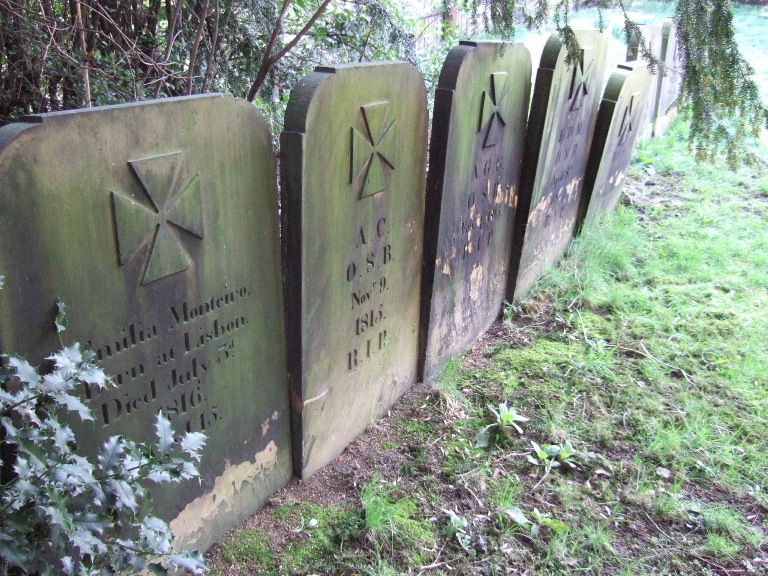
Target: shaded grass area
637	375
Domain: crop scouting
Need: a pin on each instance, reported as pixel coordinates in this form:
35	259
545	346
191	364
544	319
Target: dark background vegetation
67	54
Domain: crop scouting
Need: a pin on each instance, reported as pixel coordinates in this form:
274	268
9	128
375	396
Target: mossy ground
646	350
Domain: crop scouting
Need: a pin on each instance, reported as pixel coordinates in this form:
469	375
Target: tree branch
196	45
269	59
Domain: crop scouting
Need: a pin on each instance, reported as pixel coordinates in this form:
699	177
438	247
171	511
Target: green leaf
192	443
126	496
60	517
74	404
188	561
567	450
110	453
164	433
555	525
14	552
517	516
483	439
541	454
25	371
61	317
94	375
69	357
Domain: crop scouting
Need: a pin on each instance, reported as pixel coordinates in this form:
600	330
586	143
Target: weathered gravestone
618	126
353	168
157	224
652	36
668	89
478	131
560	124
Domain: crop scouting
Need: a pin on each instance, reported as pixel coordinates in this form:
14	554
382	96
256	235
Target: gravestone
563	112
353	166
478	131
157	224
618	125
652	36
668	89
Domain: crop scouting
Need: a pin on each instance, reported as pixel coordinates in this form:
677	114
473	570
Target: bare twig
657	527
212	51
196	45
84	51
269	59
546	475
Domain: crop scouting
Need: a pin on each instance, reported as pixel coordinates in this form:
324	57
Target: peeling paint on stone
475	281
231	492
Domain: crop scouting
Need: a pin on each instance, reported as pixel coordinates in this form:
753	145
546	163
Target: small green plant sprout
551	456
539	519
506	419
457	527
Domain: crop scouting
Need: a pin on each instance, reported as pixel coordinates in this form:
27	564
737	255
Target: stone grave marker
353	168
157	225
668	88
652	35
618	125
478	132
560	123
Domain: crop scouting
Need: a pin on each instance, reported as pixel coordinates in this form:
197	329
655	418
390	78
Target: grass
646	349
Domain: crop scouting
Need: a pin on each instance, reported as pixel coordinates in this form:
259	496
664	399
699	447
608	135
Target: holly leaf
189	561
25	371
94	375
192	443
54	382
126	497
68	357
110	453
13	552
74	404
164	433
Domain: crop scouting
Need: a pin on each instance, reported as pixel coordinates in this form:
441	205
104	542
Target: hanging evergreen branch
717	86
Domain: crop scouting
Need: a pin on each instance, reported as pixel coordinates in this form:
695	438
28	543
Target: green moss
248	546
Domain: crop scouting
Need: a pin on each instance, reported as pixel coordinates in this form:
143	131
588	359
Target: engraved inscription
491	119
366	276
628	119
580	81
166	364
482	206
372	150
172	205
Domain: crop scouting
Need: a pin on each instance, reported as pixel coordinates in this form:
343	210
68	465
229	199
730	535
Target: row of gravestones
157	223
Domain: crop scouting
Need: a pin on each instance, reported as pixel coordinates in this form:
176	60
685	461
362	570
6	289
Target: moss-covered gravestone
618	125
157	224
563	112
668	89
478	131
652	36
353	158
